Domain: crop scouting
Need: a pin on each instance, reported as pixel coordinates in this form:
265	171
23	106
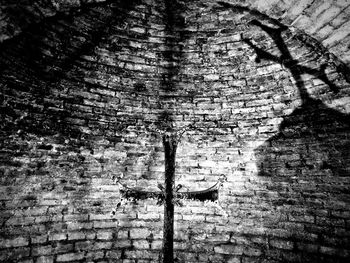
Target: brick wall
326	21
81	94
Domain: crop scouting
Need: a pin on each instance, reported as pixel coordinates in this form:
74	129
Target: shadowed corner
307	163
47	151
49	61
313	137
313	125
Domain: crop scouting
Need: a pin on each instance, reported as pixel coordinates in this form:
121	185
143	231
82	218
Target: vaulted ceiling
326	21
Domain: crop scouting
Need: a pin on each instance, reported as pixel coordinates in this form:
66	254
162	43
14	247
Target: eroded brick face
82	95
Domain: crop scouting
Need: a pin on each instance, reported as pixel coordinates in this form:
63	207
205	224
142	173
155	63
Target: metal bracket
209	194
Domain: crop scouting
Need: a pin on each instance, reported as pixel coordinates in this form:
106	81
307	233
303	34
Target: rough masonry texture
85	83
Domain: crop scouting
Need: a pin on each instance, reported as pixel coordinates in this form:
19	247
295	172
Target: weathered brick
139	233
57	236
250	251
15	242
102	245
39	239
141	244
83	245
312	248
141	254
76	235
42	250
217	237
148	216
104	235
26	261
105	224
211	77
200	218
79	226
283	244
45	259
14	254
70	256
122	243
100	216
230	249
158	244
114	254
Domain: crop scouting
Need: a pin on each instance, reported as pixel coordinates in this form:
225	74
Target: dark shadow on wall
40	64
307	163
328	128
22	15
175	36
37	67
315	137
341	67
304	170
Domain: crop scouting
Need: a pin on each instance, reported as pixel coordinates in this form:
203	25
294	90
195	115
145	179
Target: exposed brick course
82	92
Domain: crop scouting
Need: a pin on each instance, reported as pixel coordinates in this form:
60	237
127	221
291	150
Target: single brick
102	245
26	261
217	237
157	245
45	259
83	245
141	254
148	216
62	248
100	216
235	260
105	224
104	235
70	257
123	234
16	242
78	226
139	233
42	250
76	235
122	243
200	218
283	244
230	249
211	77
57	236
94	255
141	244
114	254
310	248
39	239
250	251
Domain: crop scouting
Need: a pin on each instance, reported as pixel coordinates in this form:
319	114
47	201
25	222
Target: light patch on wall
341	104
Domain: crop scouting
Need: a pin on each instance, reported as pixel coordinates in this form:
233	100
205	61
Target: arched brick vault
326	21
81	83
